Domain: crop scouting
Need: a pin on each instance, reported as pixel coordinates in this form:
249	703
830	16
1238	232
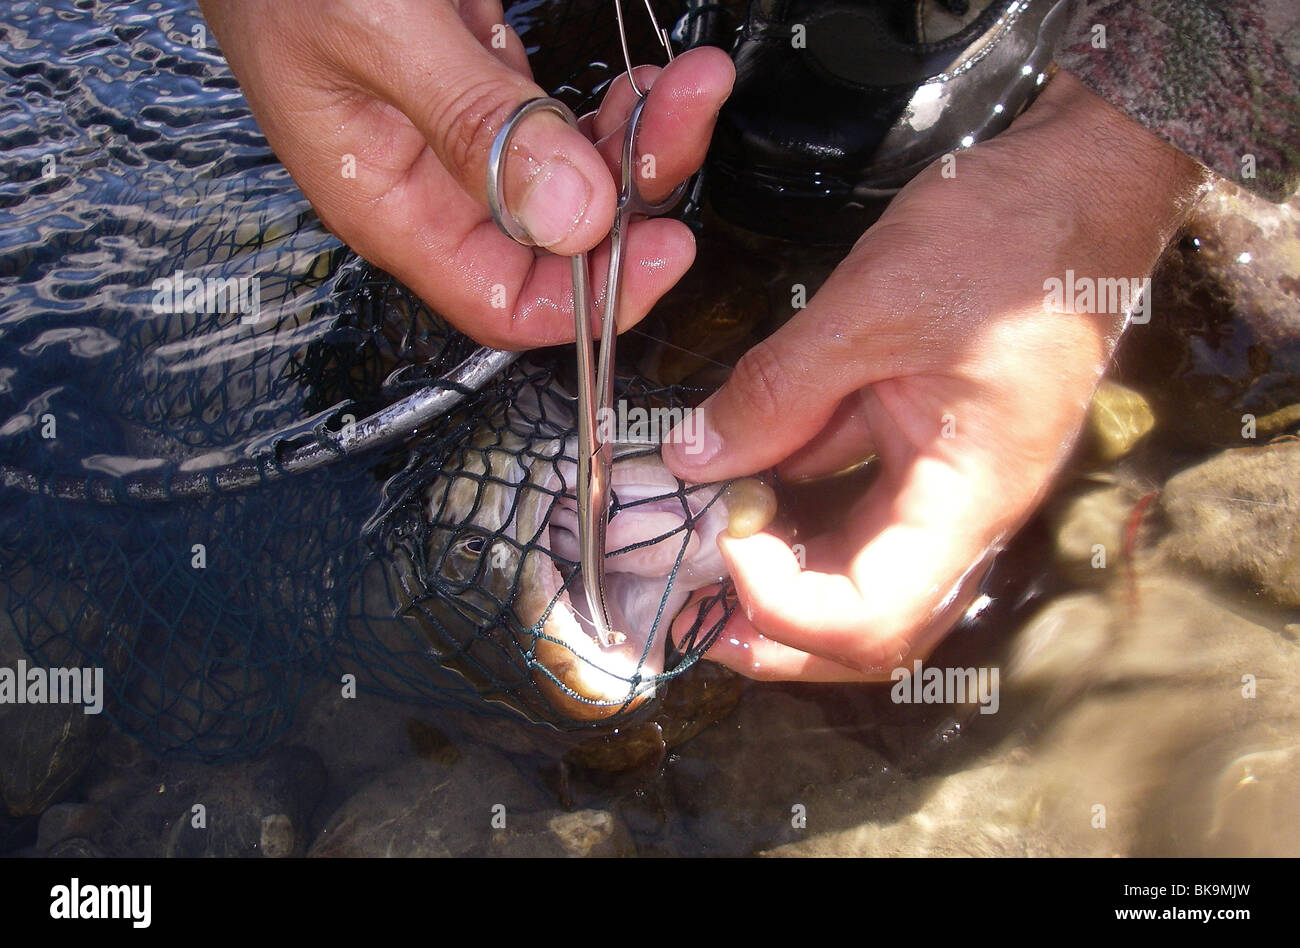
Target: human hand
415	91
932	346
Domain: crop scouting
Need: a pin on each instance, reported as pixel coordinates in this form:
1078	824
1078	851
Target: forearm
1118	183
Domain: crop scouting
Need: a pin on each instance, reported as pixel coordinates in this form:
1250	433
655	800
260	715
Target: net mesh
141	176
479	512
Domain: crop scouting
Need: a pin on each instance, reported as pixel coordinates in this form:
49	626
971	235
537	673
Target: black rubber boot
839	103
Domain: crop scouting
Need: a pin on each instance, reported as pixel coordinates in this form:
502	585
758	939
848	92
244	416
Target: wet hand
384	113
933	346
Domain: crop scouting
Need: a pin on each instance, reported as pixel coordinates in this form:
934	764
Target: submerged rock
356	738
16	833
1237	516
76	848
584	833
279	836
43	752
44	748
1224	335
1064	643
157	807
1118	419
1235	798
1090	533
474	806
775	772
1159	729
69	821
260	808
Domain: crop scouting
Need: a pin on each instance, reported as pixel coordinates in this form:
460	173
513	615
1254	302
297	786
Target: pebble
1118	419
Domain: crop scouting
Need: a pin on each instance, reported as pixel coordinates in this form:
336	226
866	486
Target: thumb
781	393
459	96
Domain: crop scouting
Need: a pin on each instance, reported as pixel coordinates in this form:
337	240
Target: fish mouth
661	546
659	549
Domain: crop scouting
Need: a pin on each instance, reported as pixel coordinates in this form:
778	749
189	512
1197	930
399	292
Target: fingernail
554	203
695	440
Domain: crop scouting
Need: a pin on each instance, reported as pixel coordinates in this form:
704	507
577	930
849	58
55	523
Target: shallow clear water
1161	688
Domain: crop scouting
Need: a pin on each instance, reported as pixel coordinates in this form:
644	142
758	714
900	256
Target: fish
504	518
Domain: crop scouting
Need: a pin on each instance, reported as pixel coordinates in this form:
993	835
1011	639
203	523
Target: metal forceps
595	384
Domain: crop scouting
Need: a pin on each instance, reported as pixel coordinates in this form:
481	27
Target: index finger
682	105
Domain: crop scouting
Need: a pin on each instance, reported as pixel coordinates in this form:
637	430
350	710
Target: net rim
376	430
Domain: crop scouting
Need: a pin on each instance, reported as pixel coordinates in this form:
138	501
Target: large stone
66	821
43	752
357	738
1237	516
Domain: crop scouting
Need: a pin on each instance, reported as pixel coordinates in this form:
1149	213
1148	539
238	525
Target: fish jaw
661	546
578	676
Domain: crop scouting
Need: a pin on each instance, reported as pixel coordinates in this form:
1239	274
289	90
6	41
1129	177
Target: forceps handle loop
496	171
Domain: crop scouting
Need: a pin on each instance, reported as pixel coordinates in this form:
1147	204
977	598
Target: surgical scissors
595	383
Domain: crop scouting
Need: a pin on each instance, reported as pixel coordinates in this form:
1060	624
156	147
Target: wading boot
839	103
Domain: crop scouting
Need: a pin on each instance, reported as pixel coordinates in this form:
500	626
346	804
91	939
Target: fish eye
471	546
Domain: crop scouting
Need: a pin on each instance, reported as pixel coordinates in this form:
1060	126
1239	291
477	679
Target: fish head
660	546
503	550
472	507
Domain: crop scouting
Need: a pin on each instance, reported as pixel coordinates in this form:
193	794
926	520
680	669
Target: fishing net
230	451
478	512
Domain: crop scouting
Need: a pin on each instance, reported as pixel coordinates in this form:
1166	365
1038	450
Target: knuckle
467	124
377	15
763	379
